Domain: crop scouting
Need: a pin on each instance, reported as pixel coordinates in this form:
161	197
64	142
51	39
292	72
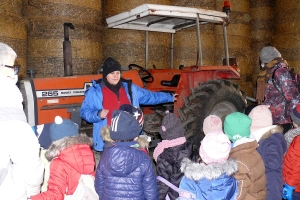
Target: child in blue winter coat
124	171
213	177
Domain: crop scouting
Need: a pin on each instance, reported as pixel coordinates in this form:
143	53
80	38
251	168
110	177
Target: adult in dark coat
272	147
169	153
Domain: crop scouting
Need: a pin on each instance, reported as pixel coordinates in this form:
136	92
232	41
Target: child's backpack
183	194
85	189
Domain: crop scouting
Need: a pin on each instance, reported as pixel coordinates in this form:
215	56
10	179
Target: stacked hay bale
185	41
46	35
14	31
262	32
287	36
128	46
239	41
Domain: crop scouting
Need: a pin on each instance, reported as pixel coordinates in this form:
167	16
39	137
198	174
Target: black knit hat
171	127
124	126
110	65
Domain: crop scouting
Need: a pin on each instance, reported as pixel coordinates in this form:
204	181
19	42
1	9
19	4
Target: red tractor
202	90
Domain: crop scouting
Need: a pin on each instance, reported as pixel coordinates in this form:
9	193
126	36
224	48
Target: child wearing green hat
251	170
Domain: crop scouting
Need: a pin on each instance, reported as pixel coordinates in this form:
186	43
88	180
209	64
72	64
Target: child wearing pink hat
212	123
271	147
213	177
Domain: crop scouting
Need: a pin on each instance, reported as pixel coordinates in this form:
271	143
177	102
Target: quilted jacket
291	164
124	173
70	157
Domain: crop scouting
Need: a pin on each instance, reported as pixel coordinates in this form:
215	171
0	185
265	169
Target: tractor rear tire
216	97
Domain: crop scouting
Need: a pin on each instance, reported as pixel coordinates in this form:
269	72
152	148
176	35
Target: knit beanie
124	126
134	111
212	123
171	127
295	115
267	54
215	147
61	128
110	65
261	117
237	126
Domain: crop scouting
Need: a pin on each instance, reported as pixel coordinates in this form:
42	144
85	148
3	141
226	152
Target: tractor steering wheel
144	73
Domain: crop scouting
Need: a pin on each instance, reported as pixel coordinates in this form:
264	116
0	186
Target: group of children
259	163
246	157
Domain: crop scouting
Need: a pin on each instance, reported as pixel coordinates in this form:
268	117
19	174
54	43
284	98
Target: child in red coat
291	162
70	155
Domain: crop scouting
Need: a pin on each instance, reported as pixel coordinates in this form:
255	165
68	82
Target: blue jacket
92	104
272	147
210	182
125	173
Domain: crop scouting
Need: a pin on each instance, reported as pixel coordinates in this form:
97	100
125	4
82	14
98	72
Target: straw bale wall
185	41
34	29
186	46
13	31
46	35
128	46
239	41
287	36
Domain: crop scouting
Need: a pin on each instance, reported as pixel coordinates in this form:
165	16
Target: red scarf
111	101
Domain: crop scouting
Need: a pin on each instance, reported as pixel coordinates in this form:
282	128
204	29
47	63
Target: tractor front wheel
216	97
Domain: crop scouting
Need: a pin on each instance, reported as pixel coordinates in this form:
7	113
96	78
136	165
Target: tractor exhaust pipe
67	51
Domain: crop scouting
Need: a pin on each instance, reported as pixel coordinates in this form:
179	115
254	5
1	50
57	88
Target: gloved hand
287	192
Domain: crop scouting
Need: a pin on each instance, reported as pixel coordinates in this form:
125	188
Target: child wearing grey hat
169	153
123	168
70	156
275	87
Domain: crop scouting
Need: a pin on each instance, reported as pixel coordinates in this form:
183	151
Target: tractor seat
172	83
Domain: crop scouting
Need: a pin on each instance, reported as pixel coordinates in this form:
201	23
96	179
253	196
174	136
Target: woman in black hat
108	93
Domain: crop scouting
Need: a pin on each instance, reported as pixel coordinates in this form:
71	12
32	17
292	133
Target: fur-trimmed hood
57	146
197	171
266	132
290	135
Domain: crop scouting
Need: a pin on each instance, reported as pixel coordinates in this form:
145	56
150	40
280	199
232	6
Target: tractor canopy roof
164	18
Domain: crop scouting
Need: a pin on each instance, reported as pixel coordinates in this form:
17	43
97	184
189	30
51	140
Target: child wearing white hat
213	177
